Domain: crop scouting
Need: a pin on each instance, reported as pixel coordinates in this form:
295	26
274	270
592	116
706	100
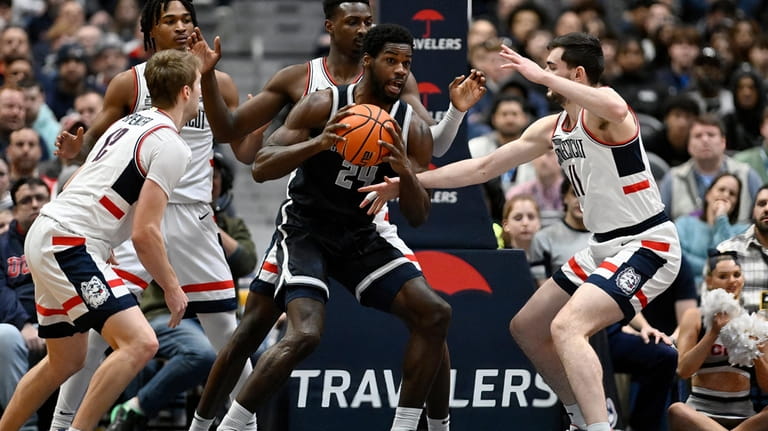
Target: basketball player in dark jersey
341	241
347	23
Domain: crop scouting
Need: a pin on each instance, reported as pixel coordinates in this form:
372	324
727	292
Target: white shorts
632	269
267	275
75	288
194	250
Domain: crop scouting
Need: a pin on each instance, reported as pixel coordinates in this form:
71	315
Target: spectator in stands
758	57
89	36
717	222
88	105
18	69
480	29
684	186
671	144
522	20
108	60
683	49
708	84
568	22
544	187
742	126
20	345
68	81
717	400
14	43
125	18
23	154
635	81
757	157
6	216
751	248
507	118
12	114
521	221
38	115
6	202
485	57
235	237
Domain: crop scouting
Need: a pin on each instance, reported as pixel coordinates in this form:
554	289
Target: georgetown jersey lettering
613	183
197	182
326	184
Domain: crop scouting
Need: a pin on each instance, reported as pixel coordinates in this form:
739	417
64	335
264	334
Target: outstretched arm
535	141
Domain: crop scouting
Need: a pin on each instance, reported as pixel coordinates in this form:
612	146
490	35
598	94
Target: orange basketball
366	128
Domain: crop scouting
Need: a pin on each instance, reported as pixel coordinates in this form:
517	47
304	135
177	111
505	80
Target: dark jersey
325	185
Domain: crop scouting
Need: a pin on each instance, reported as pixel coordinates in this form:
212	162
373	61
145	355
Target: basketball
366	128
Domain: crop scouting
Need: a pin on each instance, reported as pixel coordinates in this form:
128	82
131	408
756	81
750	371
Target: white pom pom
717	301
741	336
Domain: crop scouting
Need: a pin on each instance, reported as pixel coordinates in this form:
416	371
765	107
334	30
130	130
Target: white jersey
318	77
197	182
99	201
613	183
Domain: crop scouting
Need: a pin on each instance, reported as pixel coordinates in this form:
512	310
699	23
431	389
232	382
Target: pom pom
718	301
741	336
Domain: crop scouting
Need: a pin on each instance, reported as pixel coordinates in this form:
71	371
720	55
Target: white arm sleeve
444	131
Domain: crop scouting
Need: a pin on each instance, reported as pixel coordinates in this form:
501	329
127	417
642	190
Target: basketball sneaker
124	419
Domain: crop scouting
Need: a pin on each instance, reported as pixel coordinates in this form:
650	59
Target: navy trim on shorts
563	282
212	306
634	229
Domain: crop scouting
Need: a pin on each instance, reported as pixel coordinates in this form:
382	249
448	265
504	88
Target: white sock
574	413
406	419
439	424
236	418
133	404
200	424
73	429
600	426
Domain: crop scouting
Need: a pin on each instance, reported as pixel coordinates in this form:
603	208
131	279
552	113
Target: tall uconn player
191	235
634	253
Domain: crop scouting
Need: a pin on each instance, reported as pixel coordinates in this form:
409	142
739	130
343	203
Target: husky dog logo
95	292
628	280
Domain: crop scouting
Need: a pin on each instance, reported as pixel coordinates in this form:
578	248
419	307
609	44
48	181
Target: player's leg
757	422
134	344
589	310
72	391
259	317
65	357
531	331
427	317
305	322
683	417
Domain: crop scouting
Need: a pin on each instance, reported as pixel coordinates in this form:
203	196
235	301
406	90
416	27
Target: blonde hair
167	73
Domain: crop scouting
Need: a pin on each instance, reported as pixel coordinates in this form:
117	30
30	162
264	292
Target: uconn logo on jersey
568	149
198	122
17	265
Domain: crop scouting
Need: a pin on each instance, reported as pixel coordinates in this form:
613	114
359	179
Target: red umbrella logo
450	274
428	15
427	88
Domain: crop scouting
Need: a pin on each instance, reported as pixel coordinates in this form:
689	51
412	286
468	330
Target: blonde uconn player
121	191
191	235
634	253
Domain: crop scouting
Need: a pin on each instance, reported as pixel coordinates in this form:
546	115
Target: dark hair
379	35
734	210
528	6
504	98
681	102
329	6
714	256
709	119
581	49
151	13
227	174
31	181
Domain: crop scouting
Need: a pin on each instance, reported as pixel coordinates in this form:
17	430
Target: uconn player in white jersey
634	253
191	235
120	191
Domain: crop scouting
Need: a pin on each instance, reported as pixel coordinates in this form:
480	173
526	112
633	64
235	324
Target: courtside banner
352	381
439	29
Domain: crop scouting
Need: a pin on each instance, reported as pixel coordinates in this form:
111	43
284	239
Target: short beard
380	93
555	98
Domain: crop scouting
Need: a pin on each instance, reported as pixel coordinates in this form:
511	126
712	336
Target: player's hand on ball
379	194
398	156
330	137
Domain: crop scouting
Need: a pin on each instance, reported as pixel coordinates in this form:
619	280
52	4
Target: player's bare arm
534	142
414	199
150	247
291	144
118	101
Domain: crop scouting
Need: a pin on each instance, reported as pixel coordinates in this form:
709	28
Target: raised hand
68	145
379	194
523	65
198	46
465	92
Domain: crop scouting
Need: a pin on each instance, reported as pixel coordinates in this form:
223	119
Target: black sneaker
124	419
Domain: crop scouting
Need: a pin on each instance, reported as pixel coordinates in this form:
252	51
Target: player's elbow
684	373
617	111
258	174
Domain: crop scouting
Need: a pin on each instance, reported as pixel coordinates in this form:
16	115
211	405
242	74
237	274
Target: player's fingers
370	197
333	127
80	132
456	81
217	45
